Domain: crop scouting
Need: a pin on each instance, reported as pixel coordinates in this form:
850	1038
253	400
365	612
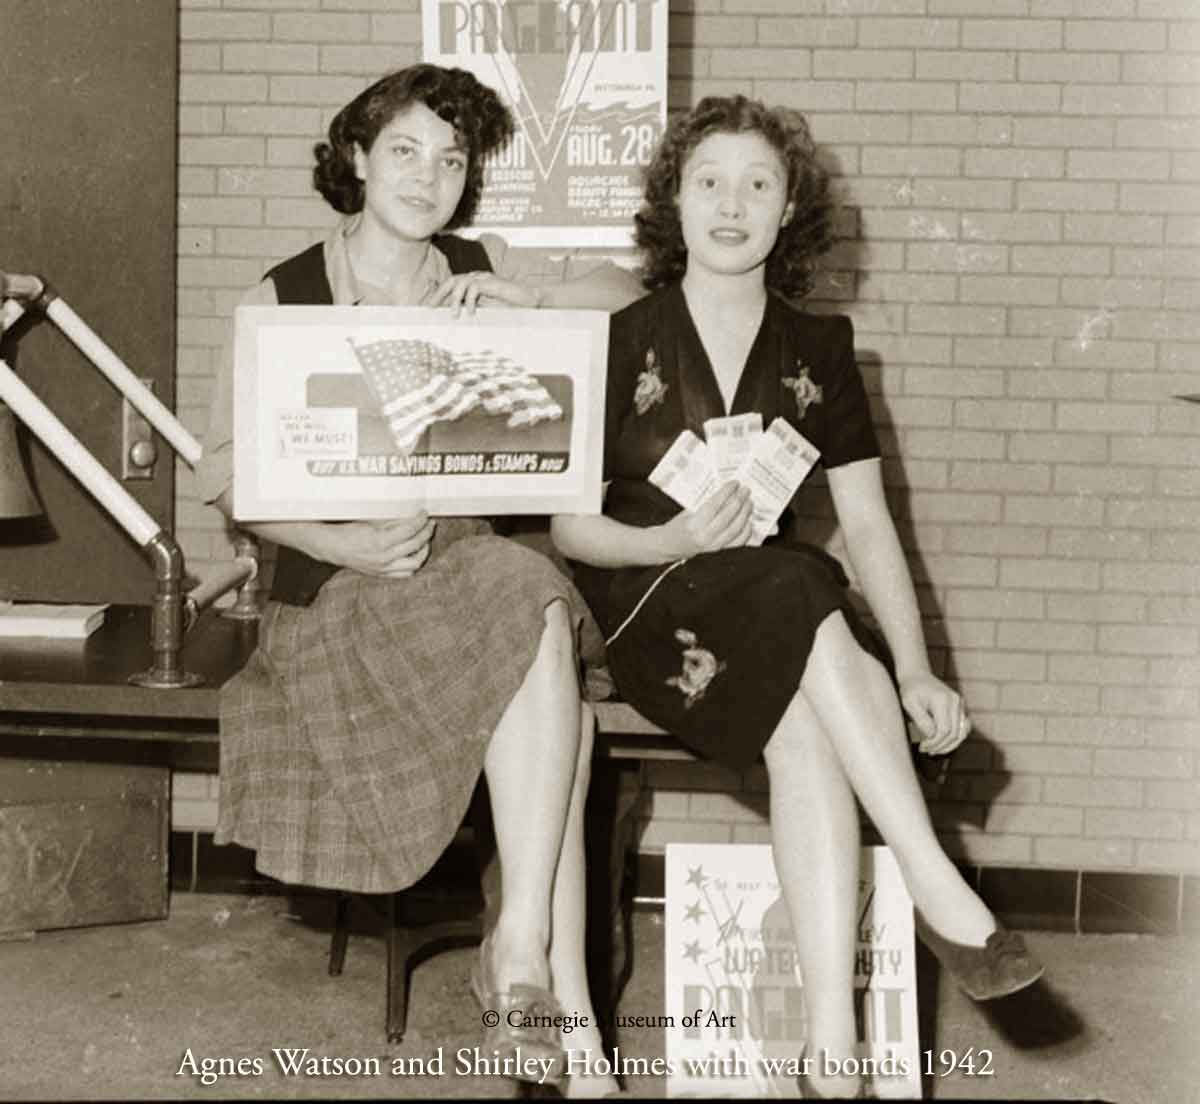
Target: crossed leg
843	735
853	697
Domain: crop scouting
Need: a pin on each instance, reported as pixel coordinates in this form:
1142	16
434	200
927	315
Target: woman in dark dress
744	650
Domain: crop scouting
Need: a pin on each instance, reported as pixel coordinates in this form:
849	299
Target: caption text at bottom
473	1062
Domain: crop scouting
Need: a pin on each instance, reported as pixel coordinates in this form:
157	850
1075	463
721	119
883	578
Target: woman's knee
837	654
799	742
834	638
557	644
557	621
797	731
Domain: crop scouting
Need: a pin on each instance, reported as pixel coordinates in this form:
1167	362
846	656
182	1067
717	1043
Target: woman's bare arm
874	550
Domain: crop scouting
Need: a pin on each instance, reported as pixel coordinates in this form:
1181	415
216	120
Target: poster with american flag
367	412
419	383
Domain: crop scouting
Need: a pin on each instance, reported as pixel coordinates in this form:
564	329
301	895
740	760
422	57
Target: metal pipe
248	606
41	296
166	618
140	396
95	477
17	286
171	612
222	581
10	312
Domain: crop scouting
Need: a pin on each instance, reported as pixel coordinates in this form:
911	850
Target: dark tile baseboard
1031	899
1034	900
1118	902
1024	898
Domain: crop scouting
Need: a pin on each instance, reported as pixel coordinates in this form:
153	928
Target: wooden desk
84	687
89	678
84	767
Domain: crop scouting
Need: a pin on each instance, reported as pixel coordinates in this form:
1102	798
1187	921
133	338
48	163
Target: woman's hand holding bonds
937	711
391	549
483	289
723	520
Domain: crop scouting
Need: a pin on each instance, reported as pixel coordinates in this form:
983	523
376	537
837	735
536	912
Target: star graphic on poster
693	950
693	912
696	876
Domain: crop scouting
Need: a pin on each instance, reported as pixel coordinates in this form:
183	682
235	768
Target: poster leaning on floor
587	84
734	994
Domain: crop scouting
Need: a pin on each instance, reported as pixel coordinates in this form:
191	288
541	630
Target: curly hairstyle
792	263
480	121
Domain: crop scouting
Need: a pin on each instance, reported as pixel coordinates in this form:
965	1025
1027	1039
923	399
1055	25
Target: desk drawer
81	843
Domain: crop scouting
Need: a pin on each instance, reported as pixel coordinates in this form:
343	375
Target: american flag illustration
414	388
418	383
504	387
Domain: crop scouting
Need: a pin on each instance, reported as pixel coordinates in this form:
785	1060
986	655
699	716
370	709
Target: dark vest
301	281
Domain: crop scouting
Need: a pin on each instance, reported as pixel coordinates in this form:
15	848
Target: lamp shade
17	499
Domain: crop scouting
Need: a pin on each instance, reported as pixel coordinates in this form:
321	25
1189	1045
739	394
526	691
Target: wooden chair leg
612	804
341	934
411	939
487	859
410	942
399	955
397	974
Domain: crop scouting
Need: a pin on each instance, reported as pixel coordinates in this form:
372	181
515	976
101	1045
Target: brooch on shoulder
650	389
802	386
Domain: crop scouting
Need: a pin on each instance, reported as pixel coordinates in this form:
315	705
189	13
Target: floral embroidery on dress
801	384
700	667
650	387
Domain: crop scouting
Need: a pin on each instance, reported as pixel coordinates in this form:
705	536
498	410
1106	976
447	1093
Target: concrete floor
111	1012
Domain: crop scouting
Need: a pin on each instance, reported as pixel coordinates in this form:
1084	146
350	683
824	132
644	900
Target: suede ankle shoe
1002	966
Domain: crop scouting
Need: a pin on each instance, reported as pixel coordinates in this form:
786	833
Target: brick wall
1021	256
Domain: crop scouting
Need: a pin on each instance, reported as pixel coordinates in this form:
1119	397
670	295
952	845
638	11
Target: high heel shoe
1002	966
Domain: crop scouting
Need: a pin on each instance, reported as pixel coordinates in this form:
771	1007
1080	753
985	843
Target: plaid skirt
353	739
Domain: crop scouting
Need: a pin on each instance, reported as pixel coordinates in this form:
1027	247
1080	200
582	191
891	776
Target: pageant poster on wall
734	995
344	413
587	84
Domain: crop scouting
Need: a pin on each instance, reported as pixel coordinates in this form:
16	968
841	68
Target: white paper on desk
778	462
48	620
685	472
729	441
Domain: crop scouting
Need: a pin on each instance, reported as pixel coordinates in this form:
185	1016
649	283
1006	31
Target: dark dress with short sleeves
713	647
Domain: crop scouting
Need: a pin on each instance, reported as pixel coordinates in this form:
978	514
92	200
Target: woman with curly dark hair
734	637
482	123
792	263
399	659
